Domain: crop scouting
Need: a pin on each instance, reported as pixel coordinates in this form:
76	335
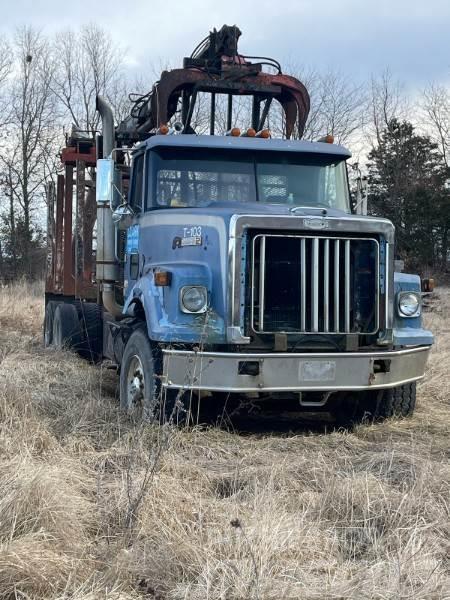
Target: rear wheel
91	319
66	327
48	322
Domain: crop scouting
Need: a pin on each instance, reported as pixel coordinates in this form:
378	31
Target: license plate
317	370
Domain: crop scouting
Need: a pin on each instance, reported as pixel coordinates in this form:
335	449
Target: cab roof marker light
264	133
428	285
163	129
327	139
250	132
234	132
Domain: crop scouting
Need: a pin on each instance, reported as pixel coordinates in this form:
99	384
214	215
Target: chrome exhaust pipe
107	268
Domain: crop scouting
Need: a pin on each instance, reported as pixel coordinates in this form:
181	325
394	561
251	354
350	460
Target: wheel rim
135	385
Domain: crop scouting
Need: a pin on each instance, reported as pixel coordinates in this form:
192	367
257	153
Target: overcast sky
358	37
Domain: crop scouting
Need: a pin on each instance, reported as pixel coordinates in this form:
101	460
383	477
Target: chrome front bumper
281	372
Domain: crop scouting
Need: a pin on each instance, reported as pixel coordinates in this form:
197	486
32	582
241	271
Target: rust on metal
68	278
50	195
59	233
70	155
216	67
70	265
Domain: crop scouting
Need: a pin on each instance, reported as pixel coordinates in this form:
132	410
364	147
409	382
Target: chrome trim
235	333
326	285
341	225
286	372
240	223
386	286
347	286
303	283
337	325
315	262
262	279
315	286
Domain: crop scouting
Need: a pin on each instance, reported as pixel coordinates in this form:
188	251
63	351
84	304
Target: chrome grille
314	284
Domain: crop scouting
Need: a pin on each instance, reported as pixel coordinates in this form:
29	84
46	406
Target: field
93	506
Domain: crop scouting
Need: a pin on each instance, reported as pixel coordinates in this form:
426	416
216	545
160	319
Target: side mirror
123	216
104	181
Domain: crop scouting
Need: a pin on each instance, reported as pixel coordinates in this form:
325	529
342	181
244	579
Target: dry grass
265	515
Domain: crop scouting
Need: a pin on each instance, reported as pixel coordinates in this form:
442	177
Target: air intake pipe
106	262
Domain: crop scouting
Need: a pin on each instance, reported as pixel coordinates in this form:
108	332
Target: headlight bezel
184	290
401	296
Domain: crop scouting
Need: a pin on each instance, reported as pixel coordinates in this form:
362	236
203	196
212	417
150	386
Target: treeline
49	84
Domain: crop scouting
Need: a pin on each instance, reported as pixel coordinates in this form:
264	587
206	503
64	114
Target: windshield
197	177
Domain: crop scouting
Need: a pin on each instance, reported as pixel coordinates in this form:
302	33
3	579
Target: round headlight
409	304
194	299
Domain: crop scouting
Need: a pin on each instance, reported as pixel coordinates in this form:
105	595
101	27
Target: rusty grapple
216	67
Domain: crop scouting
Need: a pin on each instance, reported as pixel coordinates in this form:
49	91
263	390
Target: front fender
409	331
165	321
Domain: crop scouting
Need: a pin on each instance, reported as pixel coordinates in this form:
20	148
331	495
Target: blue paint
244	143
132	239
408	331
156	236
188	265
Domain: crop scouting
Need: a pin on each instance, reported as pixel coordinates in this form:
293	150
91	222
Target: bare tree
30	134
88	63
5	71
436	107
387	102
338	105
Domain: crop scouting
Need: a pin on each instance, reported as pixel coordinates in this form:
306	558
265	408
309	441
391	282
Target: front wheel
141	395
377	405
397	402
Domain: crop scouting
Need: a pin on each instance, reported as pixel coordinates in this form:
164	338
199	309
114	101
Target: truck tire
48	323
91	321
396	402
66	327
376	405
141	395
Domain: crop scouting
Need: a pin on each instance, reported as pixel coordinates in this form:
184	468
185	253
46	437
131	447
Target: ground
94	506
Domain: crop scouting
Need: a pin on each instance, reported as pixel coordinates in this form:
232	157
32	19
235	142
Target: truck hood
225	210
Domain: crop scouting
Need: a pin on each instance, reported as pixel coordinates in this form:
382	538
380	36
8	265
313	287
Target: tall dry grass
90	508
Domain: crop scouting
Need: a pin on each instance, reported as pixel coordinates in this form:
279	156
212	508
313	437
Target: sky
355	37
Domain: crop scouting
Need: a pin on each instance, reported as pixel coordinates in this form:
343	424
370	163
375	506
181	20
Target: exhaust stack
106	262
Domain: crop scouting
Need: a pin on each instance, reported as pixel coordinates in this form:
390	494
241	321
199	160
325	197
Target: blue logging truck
203	265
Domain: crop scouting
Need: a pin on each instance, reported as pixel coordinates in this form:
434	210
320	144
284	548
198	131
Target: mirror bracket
123	216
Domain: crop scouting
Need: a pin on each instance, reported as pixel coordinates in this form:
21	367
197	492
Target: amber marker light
327	139
163	278
163	129
428	285
250	132
264	133
234	132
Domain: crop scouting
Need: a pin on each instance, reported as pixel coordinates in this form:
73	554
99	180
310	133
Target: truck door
134	264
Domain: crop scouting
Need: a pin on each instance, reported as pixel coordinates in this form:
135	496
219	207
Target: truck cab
253	276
